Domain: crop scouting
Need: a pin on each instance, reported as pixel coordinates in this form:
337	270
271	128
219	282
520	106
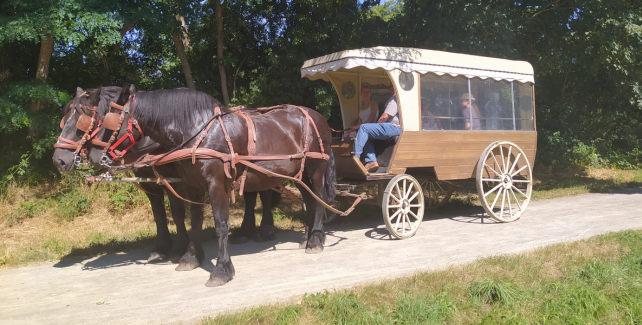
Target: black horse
176	117
154	192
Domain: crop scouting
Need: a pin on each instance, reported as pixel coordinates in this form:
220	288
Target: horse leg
195	253
248	226
266	229
177	208
314	179
163	240
224	270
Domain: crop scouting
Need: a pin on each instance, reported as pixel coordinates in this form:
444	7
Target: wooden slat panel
464	145
424	136
435	162
451	177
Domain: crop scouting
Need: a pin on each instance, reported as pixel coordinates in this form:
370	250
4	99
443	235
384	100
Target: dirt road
123	289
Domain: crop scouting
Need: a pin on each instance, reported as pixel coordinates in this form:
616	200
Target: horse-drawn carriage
418	165
461	117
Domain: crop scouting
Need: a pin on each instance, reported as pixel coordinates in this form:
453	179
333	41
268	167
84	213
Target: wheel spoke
517	172
515	163
508	158
496	197
410	190
501	152
398	192
496	162
520	192
403	224
516	200
442	189
394	206
396	199
413	214
521	181
493	190
491	180
397	223
491	168
415	205
430	194
413	197
394	215
403	195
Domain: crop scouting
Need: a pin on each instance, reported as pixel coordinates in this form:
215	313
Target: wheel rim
437	193
504	181
403	206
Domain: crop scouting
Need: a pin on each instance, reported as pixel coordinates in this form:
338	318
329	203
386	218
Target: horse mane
182	107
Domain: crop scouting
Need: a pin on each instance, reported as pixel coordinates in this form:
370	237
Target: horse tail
276	198
330	181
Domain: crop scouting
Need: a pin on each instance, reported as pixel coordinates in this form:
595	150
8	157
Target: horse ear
94	98
132	89
79	91
124	96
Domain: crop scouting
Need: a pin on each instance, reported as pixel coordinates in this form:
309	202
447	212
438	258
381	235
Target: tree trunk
219	51
126	27
46	49
181	44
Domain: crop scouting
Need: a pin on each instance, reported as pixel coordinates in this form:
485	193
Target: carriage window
524	107
440	96
496	105
494	100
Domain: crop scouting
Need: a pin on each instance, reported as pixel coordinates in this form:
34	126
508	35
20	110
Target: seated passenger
428	119
368	113
386	127
466	100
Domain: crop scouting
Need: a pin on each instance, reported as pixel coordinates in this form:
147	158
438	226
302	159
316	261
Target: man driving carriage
387	126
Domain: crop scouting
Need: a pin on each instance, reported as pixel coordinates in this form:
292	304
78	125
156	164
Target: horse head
78	122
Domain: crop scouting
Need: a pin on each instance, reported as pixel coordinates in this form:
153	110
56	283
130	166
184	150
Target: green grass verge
594	281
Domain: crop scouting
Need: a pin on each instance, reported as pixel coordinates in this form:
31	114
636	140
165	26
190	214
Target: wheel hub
405	206
507	181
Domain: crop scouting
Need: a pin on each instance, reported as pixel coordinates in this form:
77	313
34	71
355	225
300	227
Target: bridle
112	122
85	123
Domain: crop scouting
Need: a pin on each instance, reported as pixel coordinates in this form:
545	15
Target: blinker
84	122
112	121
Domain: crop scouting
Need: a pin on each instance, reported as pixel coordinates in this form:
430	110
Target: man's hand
383	118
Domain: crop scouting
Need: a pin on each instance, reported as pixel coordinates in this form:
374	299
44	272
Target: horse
174	118
154	192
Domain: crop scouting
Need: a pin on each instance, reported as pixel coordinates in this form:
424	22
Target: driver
387	126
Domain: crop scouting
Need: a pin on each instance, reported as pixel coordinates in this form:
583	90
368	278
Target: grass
593	281
64	220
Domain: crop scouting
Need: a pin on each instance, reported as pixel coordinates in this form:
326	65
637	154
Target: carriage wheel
504	181
437	193
403	206
329	216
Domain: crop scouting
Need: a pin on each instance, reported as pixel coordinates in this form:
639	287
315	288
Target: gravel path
123	289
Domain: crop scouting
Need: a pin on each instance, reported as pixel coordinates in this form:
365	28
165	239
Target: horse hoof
303	244
237	240
156	257
314	250
187	263
216	281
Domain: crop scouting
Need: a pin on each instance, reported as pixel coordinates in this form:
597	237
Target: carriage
417	167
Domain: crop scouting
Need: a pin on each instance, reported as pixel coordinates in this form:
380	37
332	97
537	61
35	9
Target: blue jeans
376	131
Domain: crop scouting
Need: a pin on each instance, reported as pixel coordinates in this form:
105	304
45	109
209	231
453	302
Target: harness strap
171	189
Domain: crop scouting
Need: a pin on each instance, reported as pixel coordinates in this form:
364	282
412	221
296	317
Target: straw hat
466	97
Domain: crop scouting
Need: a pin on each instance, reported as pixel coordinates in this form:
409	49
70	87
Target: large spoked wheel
329	216
504	181
403	206
437	193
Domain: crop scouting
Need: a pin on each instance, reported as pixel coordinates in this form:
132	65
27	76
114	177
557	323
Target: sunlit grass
596	281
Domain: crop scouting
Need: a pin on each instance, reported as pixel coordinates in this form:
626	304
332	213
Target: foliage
125	196
587	57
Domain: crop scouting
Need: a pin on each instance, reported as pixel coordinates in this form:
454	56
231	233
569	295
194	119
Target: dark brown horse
154	192
175	117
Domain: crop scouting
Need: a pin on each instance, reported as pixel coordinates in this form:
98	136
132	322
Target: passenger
428	119
387	126
368	113
466	100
